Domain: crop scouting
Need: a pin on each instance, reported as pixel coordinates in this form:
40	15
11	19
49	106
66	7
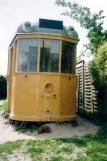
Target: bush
3	87
102	133
98	69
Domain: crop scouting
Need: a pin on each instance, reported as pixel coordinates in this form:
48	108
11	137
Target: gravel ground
65	130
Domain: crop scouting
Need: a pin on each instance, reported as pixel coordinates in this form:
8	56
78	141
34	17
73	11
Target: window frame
49	37
73	60
58	53
18	57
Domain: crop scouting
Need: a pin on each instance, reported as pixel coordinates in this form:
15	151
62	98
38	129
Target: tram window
68	58
28	55
49	55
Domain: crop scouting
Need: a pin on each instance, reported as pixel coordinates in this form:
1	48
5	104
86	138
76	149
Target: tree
92	22
3	87
97	46
98	69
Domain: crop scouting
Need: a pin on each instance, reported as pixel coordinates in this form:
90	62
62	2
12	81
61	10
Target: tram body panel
41	77
25	94
32	102
68	95
48	101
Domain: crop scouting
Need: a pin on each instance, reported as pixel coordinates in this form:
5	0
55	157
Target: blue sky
15	12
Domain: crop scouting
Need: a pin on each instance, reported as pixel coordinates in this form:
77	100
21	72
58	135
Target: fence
86	94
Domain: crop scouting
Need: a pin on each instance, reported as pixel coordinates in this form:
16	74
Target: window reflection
49	55
28	55
68	58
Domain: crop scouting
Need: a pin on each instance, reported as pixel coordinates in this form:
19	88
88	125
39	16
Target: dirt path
65	130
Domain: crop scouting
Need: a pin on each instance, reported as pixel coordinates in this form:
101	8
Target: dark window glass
28	55
68	58
49	55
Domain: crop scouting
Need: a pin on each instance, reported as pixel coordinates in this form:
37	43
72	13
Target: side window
28	57
49	55
68	58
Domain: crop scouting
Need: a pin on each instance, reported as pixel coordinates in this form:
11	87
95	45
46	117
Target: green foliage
97	37
102	133
98	70
3	87
92	22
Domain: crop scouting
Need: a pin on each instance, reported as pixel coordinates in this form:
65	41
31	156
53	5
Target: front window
68	58
28	49
49	55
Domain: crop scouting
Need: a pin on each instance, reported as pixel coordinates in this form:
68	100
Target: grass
3	106
35	150
65	149
86	148
9	148
80	142
57	158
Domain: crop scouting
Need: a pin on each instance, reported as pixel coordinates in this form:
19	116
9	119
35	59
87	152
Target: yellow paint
28	99
48	36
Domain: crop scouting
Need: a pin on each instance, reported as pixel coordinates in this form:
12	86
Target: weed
65	149
56	158
3	106
35	150
79	142
9	147
102	133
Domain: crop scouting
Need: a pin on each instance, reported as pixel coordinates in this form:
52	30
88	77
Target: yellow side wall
30	100
27	98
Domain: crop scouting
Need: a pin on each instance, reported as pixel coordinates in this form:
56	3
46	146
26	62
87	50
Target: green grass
86	148
3	106
35	150
65	149
9	148
82	159
57	158
78	141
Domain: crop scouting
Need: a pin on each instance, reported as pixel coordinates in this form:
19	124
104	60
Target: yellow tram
41	72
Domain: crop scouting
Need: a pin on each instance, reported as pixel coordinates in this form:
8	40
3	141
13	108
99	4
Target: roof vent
71	28
27	26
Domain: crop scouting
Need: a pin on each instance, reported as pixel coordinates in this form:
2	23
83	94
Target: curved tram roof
46	27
